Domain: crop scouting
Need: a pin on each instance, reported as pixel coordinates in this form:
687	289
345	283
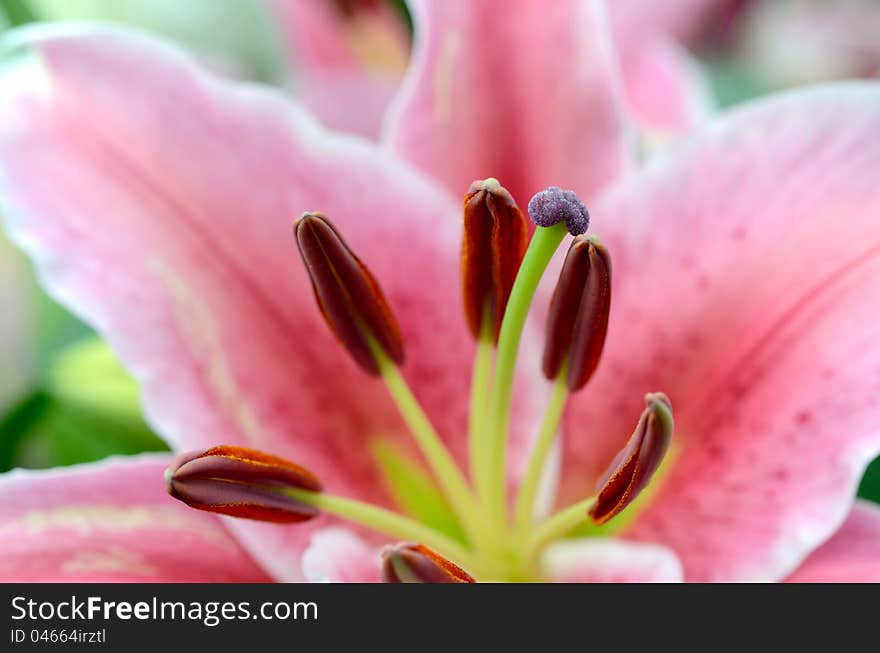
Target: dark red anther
632	468
416	563
348	295
241	482
578	318
495	238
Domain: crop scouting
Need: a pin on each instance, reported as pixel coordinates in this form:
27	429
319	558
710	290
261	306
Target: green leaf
87	409
16	424
16	12
870	486
55	329
66	435
414	490
88	375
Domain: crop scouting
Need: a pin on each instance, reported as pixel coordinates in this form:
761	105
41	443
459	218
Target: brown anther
416	563
632	468
241	482
348	295
578	317
495	238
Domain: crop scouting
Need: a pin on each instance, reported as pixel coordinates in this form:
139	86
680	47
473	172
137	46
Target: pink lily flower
157	202
350	57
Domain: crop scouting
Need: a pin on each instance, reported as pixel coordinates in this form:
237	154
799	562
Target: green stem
481	380
558	525
387	522
451	480
541	249
546	435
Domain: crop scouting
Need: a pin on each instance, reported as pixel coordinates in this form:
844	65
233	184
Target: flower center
501	270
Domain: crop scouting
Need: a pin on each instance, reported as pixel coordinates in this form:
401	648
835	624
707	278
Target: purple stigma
554	204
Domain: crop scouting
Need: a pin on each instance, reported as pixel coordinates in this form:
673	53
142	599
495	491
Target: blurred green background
64	398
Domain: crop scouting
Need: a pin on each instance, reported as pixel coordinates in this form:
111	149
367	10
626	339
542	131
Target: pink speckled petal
337	555
600	560
111	522
852	555
348	63
666	92
161	211
528	95
747	287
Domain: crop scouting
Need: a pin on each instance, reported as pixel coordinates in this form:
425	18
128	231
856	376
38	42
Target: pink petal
665	90
336	555
348	63
747	272
162	212
351	103
852	555
111	521
527	95
599	560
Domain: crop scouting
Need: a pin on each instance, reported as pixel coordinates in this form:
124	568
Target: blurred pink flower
350	56
157	202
